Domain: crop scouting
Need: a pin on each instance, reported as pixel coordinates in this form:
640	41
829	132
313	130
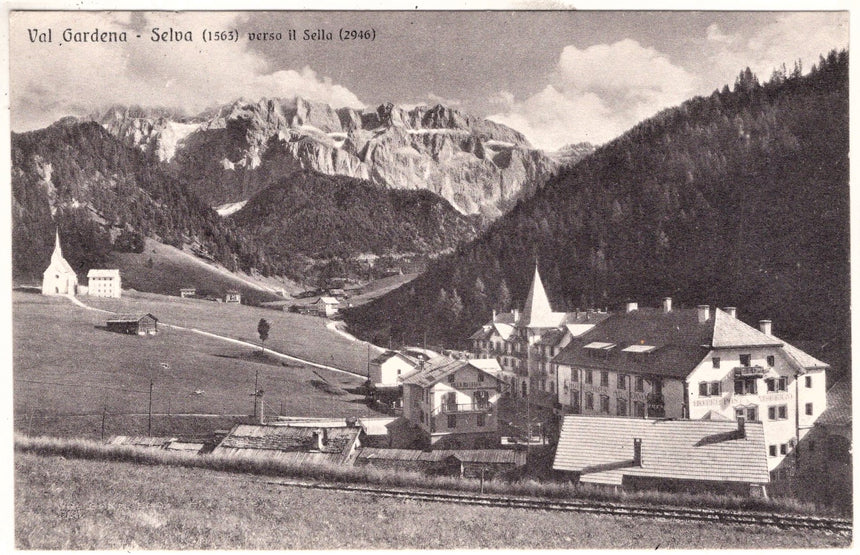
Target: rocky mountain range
229	153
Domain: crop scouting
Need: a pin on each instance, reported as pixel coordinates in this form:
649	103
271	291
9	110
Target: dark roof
489	456
288	438
391	354
601	449
485	332
838	412
552	337
129	318
437	368
680	342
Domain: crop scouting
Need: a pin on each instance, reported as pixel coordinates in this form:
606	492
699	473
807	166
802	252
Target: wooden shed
135	324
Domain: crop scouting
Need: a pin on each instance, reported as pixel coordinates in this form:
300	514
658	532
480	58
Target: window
715	389
604	378
621	407
589	400
808	409
451	378
783	448
745	360
639	409
574	373
716	362
782	384
622	381
481	420
398	371
604	404
770	361
771	384
752	414
771	450
807	381
589	378
480	376
703	389
482	399
640	383
452	420
552	387
745	386
777	412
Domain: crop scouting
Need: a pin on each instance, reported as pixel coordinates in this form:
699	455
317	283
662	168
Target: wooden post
149	425
256	389
104	415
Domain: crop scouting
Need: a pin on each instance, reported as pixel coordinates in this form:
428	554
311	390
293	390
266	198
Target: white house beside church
104	283
59	278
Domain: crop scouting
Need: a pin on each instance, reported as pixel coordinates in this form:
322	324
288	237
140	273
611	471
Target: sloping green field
67	371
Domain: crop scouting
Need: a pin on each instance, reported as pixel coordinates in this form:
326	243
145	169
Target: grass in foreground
84	504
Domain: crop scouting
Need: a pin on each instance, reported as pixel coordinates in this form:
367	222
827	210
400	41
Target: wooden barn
134	324
469	463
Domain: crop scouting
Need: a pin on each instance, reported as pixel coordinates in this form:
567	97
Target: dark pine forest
735	199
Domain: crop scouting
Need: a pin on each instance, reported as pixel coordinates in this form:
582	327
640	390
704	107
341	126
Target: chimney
351	422
667	304
516	315
494	315
637	451
631	306
321	438
742	429
704	313
731	311
765	326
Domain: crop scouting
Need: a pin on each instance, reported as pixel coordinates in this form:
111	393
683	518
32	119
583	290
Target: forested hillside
324	216
739	198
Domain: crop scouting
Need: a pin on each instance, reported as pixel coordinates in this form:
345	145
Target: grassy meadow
86	504
67	371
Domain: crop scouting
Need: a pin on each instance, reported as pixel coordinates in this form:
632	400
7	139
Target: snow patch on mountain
230	208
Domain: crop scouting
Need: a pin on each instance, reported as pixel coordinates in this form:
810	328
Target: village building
467	463
387	369
188	292
374	429
133	324
233	297
104	283
525	342
454	402
824	470
59	278
693	364
326	306
297	444
672	455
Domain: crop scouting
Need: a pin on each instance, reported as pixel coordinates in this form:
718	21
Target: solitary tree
263	330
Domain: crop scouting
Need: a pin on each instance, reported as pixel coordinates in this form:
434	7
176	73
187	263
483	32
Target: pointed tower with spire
59	278
537	312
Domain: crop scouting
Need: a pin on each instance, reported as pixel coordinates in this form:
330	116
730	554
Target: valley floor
82	504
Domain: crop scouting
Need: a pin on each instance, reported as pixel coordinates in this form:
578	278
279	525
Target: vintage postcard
418	279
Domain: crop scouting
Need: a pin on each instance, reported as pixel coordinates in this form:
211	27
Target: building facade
59	278
133	324
454	403
387	369
693	364
525	342
104	283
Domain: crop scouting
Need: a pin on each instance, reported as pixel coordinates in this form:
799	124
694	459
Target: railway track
717	516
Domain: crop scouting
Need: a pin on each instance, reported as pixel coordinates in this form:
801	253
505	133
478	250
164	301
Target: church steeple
537	312
58	250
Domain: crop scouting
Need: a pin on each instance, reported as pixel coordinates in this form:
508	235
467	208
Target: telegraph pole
256	389
149	425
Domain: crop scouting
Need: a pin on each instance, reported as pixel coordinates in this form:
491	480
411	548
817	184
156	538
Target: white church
59	278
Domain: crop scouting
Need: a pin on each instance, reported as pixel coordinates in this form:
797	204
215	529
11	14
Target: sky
559	77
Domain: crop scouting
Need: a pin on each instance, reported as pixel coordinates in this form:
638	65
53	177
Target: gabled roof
552	337
838	412
58	263
289	439
680	342
806	361
601	449
436	369
504	330
484	333
128	318
103	273
327	300
387	355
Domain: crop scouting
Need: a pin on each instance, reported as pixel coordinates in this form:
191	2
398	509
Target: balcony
463	408
750	371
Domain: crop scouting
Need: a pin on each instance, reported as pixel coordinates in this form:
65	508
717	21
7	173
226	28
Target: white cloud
597	93
49	81
791	36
